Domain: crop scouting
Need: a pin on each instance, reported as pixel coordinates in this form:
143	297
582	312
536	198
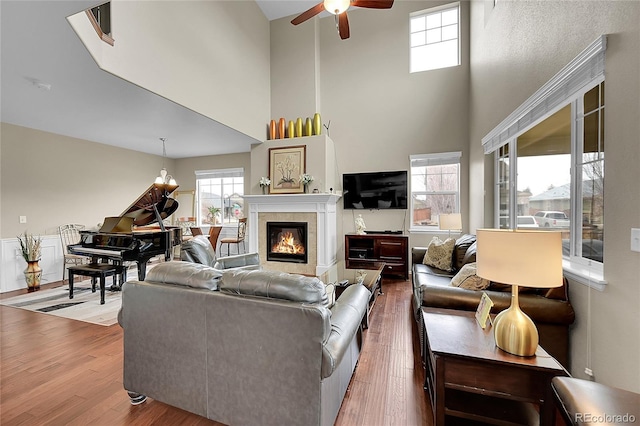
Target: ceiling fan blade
373	4
318	8
343	25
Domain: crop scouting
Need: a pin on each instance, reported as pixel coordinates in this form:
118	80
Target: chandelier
165	178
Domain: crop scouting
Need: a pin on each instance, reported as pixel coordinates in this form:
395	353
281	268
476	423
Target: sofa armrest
346	317
417	254
240	261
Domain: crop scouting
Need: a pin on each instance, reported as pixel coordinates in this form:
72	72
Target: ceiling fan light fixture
336	6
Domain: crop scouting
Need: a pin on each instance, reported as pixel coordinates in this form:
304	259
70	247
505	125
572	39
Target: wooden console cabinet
362	251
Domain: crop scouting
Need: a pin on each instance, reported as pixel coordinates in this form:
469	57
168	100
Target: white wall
379	113
516	48
209	56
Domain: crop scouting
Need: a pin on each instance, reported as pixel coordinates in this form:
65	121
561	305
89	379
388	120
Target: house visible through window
435	38
435	188
219	196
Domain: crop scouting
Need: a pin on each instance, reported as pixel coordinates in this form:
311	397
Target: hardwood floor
57	371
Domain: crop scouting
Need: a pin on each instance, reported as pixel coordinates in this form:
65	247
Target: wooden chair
242	230
214	233
196	231
70	234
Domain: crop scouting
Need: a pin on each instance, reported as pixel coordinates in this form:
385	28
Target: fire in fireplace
287	242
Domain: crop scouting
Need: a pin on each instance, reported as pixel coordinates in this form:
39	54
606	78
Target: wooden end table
370	278
468	376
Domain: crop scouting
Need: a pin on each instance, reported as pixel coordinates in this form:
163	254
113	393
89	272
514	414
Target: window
435	38
549	163
219	196
100	18
435	188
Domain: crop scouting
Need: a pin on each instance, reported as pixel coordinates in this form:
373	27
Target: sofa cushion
439	253
187	274
467	278
276	285
199	250
469	255
460	257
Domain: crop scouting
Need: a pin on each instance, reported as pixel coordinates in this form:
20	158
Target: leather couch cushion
467	278
198	250
460	254
276	285
439	253
187	274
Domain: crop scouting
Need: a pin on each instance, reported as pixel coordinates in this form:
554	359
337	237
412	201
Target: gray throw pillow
439	254
467	278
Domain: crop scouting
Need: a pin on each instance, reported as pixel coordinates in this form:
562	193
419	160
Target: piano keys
129	237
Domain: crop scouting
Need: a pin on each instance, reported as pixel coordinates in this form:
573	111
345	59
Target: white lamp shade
450	222
523	258
336	6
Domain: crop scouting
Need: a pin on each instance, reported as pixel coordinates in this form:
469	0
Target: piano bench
97	270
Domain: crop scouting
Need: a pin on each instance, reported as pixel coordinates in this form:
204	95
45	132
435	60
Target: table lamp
519	258
449	222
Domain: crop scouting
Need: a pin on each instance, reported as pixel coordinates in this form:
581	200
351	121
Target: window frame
215	174
442	158
426	13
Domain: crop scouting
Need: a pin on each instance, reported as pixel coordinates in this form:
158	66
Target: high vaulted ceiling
50	83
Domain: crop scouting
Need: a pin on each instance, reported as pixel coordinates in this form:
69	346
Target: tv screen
375	190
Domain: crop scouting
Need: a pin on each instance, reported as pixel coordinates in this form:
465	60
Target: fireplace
287	242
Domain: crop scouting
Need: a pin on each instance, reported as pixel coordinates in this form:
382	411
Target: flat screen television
375	190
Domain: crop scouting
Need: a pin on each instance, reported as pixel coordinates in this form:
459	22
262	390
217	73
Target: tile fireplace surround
318	210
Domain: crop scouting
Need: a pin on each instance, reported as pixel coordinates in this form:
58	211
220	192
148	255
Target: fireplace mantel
322	205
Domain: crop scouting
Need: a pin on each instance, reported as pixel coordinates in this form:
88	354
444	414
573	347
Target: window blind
584	70
439	159
219	173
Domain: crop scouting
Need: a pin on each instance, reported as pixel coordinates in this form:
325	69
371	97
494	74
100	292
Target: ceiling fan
339	9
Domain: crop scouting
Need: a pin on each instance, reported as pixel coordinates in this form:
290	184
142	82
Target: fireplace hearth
287	242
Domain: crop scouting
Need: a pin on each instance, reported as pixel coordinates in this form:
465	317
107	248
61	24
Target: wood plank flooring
57	371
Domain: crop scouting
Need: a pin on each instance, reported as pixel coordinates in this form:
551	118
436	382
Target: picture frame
286	165
484	308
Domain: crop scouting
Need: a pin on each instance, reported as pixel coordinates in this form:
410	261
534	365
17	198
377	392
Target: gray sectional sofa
242	347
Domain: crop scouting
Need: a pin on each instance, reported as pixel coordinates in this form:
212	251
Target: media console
363	251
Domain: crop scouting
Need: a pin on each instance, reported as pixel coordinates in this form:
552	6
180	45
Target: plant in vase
264	184
213	214
31	248
305	180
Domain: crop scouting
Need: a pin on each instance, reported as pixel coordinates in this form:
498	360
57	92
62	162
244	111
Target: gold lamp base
514	331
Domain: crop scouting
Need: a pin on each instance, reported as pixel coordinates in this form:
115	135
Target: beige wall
54	179
516	48
379	113
209	56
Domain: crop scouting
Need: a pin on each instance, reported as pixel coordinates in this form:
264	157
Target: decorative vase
281	126
306	189
272	130
291	129
317	124
298	127
308	127
32	275
264	190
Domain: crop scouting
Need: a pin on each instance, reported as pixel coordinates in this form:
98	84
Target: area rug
85	305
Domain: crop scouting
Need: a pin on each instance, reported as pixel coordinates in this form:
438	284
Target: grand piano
132	235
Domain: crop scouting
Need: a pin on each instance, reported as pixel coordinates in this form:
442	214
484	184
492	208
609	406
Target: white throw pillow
467	278
439	254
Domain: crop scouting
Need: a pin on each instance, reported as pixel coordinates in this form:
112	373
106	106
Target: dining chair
239	238
196	231
70	234
214	234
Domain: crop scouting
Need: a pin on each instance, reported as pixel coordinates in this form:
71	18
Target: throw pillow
467	278
439	254
187	274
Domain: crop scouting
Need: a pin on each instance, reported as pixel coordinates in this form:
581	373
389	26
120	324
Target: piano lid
141	211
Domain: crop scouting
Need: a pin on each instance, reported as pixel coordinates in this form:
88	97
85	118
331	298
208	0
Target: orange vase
272	129
281	126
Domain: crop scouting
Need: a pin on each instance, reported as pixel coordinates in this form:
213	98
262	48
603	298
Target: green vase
317	124
308	127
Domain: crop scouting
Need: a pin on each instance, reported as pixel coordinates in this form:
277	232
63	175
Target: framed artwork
286	165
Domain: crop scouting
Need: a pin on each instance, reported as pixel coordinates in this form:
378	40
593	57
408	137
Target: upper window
435	38
435	188
219	196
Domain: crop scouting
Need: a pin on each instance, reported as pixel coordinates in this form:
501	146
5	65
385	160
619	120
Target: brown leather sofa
583	402
550	309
